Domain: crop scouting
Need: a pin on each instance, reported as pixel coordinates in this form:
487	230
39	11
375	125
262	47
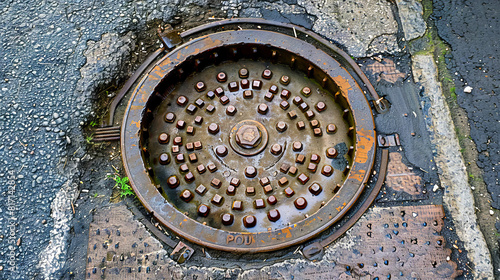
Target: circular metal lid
248	141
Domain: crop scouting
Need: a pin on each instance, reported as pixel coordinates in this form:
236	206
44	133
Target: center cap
248	137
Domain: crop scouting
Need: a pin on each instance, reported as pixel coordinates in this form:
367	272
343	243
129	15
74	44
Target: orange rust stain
287	232
136	107
262	241
134	145
343	84
341	207
165	62
136	123
366	140
358	175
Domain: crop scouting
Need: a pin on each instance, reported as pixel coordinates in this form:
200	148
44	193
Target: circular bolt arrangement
213	175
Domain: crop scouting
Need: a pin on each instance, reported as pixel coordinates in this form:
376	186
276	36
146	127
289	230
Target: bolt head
248	136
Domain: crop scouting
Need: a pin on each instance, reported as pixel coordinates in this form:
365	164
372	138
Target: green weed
122	185
89	139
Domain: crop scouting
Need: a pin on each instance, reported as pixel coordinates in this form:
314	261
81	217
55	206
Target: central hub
248	137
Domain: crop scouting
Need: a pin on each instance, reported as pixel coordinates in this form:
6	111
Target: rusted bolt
172	182
300	159
210	109
219	92
199	102
182	100
201	190
303	178
179	158
284	167
262	109
181	124
217	199
192	157
281	126
249	221
250	191
256	84
221	151
289	192
224	100
273	89
170	117
248	136
264	181
189	177
259	203
268	96
320	106
315	158
327	170
200	86
247	94
315	189
331	128
318	132
190	130
178	141
175	149
306	91
164	159
312	167
331	152
184	168
284	105
203	210
293	170
303	106
191	109
186	195
243	73
297	100
221	77
163	138
301	125
231	110
267	189
310	114
211	94
272	200
245	84
285	80
292	115
212	167
285	94
283	181
276	149
235	182
213	128
201	168
314	123
250	171
216	183
233	86
237	205
297	146
197	145
267	74
273	215
227	219
231	190
300	203
198	120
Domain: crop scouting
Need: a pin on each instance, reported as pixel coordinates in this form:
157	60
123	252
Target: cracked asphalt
49	78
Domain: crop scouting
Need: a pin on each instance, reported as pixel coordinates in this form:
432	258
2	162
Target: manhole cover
248	140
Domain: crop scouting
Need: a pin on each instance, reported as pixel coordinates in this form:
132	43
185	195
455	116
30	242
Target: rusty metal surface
316	249
216	48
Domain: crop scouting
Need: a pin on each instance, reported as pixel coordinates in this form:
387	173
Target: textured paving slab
397	242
